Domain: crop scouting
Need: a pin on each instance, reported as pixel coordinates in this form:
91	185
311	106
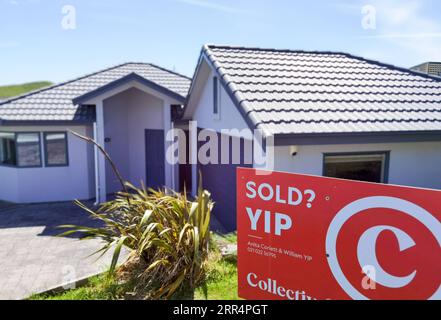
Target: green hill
15	90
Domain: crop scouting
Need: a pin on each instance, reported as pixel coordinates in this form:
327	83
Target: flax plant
166	233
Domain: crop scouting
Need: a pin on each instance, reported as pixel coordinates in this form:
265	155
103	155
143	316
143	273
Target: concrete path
33	259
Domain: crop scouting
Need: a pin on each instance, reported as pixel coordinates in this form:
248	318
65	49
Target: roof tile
290	92
55	103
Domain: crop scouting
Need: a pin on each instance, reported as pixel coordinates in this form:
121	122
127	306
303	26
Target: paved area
33	259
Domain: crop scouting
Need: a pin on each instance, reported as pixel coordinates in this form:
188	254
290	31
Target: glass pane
369	170
56	149
7	149
215	96
28	150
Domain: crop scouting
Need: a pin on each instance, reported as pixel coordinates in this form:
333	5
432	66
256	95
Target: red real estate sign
305	237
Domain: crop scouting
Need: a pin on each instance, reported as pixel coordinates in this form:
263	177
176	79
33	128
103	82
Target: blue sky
34	46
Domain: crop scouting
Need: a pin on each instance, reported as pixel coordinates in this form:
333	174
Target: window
7	149
55	145
372	167
24	149
215	96
28	150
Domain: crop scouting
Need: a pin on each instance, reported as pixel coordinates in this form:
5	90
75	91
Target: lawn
15	90
222	277
221	283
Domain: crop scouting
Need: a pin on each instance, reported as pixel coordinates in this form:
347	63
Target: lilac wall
47	184
126	116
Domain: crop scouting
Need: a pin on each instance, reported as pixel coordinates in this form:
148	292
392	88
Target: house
126	108
330	114
432	68
319	113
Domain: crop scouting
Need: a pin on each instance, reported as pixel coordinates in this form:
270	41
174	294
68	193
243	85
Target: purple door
154	158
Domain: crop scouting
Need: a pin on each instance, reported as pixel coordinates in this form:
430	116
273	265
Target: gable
200	105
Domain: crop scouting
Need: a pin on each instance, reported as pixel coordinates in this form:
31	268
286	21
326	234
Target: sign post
305	238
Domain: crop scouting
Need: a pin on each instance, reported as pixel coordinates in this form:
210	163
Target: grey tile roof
55	103
299	92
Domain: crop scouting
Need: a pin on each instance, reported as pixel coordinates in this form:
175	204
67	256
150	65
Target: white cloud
405	24
397	14
211	5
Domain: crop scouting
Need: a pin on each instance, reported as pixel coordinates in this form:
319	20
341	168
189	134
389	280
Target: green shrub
167	234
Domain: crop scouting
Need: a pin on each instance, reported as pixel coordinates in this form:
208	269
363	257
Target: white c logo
367	257
366	245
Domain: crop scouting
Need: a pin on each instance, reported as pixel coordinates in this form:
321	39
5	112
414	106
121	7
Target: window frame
15	150
66	142
39	148
385	154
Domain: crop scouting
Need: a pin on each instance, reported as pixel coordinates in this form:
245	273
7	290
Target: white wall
8	183
126	116
230	118
116	129
415	164
46	184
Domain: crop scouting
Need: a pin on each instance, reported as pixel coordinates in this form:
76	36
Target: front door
155	158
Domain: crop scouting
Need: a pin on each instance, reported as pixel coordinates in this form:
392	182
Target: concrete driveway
33	259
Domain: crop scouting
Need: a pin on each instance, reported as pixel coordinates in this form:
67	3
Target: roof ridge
170	71
27	94
348	55
214	46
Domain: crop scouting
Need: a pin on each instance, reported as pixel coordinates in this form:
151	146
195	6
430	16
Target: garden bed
220	284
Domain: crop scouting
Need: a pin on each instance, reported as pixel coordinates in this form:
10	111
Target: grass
230	238
15	90
98	288
221	283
